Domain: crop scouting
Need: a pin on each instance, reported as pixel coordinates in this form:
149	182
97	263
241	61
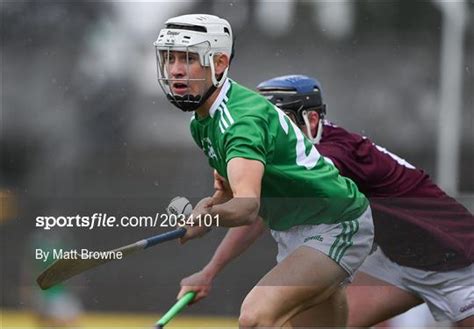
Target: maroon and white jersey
416	223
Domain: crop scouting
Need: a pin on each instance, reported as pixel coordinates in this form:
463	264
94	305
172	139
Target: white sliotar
179	205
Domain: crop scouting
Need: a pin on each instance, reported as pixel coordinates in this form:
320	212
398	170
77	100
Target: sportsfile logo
104	220
90	222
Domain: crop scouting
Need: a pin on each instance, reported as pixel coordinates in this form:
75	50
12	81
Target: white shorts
347	243
448	295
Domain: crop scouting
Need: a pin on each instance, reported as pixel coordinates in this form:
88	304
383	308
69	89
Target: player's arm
245	184
236	241
222	194
245	179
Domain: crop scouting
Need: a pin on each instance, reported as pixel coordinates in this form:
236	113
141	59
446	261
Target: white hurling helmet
204	35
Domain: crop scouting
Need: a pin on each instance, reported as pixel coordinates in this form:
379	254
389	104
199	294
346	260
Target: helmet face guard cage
188	101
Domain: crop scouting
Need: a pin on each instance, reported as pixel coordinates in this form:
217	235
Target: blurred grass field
24	319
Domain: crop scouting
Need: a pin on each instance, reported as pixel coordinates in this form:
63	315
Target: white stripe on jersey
227	113
221	127
281	117
220	97
395	157
222	120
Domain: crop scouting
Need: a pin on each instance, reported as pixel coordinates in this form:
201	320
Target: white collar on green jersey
220	97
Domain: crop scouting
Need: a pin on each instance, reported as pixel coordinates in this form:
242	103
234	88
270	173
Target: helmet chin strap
190	103
319	131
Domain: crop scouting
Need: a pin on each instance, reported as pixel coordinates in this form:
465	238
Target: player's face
185	73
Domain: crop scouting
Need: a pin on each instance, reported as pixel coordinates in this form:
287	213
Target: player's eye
192	58
168	58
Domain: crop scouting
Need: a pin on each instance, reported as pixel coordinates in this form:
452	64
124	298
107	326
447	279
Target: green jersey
299	186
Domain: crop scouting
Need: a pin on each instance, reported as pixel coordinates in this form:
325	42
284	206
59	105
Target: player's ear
221	62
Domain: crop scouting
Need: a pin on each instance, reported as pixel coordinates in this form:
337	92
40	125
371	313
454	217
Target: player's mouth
180	88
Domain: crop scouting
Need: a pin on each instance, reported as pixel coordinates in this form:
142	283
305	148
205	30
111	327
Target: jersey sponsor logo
315	237
208	148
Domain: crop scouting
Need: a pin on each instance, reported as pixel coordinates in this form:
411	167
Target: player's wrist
210	271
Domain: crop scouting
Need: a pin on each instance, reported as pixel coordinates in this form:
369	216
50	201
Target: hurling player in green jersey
264	168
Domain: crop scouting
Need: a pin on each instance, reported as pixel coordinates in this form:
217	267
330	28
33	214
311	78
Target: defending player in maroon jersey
417	224
426	238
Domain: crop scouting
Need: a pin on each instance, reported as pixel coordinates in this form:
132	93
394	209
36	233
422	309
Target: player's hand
223	192
193	232
202	207
197	230
199	282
